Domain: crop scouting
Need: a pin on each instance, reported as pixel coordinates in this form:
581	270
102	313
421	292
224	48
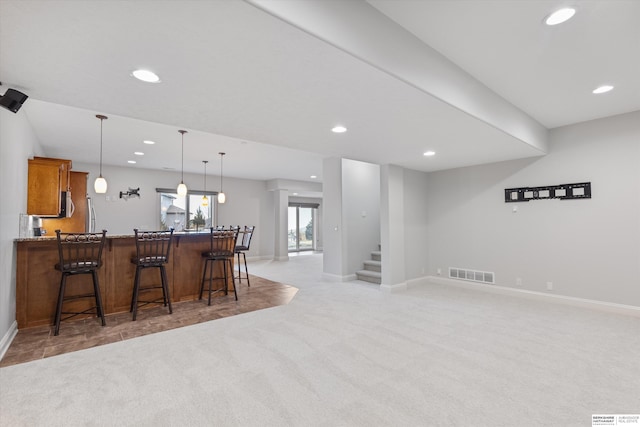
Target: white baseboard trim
396	287
281	258
336	278
629	310
7	339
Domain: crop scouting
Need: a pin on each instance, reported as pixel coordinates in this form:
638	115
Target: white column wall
416	236
281	203
392	227
332	217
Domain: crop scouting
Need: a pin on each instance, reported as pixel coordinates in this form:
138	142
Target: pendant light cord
182	132
182	161
221	172
205	176
101	120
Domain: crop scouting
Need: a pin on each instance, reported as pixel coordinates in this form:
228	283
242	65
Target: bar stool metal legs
242	248
79	253
152	251
222	244
208	275
136	303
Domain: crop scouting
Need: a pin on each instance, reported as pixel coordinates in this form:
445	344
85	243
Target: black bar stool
152	251
80	253
243	247
220	250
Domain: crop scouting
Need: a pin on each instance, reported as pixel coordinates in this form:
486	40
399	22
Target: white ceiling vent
472	275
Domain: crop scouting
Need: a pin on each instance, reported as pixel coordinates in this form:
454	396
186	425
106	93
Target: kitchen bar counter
37	281
52	236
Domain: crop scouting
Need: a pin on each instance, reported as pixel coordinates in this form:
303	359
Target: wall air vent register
472	275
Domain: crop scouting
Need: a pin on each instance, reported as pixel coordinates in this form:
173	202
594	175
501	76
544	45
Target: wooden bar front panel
37	281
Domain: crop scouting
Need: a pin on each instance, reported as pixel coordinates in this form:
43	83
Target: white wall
586	248
17	143
416	238
392	230
248	202
332	216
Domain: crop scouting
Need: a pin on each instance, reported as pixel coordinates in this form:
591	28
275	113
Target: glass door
301	234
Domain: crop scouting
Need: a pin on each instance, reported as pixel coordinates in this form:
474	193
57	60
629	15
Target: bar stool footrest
77	313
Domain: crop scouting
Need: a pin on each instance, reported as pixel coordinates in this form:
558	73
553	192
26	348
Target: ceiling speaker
13	100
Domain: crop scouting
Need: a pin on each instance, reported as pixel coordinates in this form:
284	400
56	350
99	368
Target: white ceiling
547	71
267	93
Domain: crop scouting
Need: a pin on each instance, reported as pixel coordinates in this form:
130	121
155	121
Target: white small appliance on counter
30	226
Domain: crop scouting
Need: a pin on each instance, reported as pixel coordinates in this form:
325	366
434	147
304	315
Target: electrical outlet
549	286
518	281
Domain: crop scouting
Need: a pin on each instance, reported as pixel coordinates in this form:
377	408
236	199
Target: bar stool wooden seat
245	244
152	251
80	253
220	251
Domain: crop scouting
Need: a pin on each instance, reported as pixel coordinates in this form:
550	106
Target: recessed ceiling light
560	16
149	142
602	89
133	162
429	153
295	194
138	153
313	177
146	76
339	129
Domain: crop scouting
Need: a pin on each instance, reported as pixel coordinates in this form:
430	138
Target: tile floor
37	343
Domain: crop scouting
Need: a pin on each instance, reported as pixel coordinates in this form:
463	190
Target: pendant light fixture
100	185
205	199
182	189
221	197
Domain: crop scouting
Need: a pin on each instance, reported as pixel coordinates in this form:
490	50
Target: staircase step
371	265
376	255
369	276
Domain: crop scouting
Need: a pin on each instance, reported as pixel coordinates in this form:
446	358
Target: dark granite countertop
109	236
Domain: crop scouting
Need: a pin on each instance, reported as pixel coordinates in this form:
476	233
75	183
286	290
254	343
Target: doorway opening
301	229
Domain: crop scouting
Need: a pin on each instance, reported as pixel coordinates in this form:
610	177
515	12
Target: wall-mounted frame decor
581	190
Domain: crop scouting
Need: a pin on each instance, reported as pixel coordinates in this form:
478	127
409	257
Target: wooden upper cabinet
47	179
75	223
65	170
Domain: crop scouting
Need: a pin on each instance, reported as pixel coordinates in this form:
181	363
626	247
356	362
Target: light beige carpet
347	355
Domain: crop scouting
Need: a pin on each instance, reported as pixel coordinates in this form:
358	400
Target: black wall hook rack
581	190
